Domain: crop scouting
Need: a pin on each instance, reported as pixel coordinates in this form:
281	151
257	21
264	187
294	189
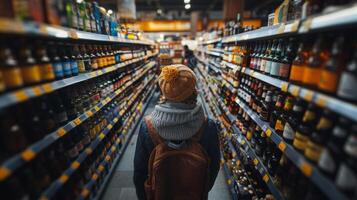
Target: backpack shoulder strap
198	135
155	137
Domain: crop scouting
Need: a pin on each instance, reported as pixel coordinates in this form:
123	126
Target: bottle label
313	151
67	68
249	135
263	63
58	68
326	162
311	75
94	64
346	179
284	70
267	66
81	66
347	88
12	77
309	116
31	74
279	125
296	73
328	81
94	26
324	124
274	70
47	72
87	25
300	141
80	23
289	132
74	67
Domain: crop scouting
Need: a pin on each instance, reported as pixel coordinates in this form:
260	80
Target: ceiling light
110	12
188	6
187	1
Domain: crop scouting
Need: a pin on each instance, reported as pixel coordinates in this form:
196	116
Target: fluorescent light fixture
187	6
187	1
110	12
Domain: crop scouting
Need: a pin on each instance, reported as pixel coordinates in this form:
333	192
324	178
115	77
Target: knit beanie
177	82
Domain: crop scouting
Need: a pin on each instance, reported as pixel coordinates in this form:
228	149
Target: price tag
96	108
20	96
75	165
306	25
255	161
306	169
114	148
107	158
295	91
73	34
284	86
89	151
308	95
89	113
4	173
37	91
295	26
101	168
101	136
110	126
229	182
95	177
28	155
266	178
268	132
63	178
85	192
282	146
321	101
281	29
100	72
47	87
77	121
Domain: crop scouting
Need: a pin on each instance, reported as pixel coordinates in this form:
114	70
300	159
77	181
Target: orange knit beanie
177	82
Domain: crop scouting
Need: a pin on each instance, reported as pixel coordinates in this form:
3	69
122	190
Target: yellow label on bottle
311	76
31	74
313	151
278	125
328	81
47	73
300	141
296	73
12	77
249	135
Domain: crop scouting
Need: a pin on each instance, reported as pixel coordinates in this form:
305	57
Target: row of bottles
30	121
31	181
310	61
323	137
42	61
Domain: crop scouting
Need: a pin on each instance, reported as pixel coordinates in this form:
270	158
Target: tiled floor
121	186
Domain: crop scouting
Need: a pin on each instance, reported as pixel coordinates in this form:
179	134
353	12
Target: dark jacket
144	146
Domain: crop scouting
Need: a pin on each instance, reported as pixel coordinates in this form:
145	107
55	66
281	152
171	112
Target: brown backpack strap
198	135
155	137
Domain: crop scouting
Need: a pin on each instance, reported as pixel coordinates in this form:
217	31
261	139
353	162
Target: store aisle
121	185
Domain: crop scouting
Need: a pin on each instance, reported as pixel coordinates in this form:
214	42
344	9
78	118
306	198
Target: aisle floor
121	185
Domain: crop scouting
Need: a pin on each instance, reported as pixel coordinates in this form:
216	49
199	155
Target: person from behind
177	153
189	57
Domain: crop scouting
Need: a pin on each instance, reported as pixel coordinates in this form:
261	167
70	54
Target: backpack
177	173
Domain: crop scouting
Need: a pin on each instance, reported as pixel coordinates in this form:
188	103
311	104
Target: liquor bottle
346	178
9	69
264	57
253	55
46	67
305	128
285	64
59	109
93	57
319	136
278	108
65	60
331	72
333	152
83	16
77	54
275	66
33	124
72	59
97	16
312	72
266	106
90	11
259	56
282	117
30	70
269	60
47	115
348	80
56	61
294	117
86	57
299	63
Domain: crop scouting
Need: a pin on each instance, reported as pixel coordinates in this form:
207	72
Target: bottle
282	118
60	117
333	67
277	111
333	152
56	61
293	119
97	17
72	59
30	70
94	60
264	57
90	11
312	72
319	136
66	62
346	178
10	70
79	58
275	65
270	56
46	67
348	80
288	54
299	63
72	15
305	128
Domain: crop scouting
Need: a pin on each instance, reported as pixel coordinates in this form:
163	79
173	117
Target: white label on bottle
267	66
326	161
347	88
288	133
263	64
274	70
346	179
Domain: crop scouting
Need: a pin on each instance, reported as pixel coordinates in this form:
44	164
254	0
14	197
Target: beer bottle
312	72
288	54
66	62
282	117
61	117
293	119
72	59
79	59
333	152
56	61
275	66
278	108
319	136
30	70
94	57
86	57
46	68
348	80
10	74
270	56
333	67
264	58
72	14
91	18
299	63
